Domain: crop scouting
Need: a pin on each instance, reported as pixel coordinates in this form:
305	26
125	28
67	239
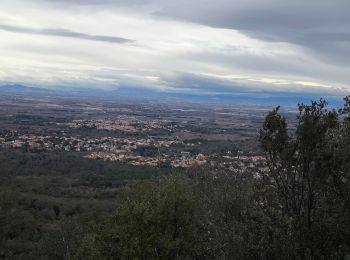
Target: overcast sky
191	46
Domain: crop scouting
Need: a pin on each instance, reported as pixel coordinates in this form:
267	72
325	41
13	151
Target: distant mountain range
138	93
16	88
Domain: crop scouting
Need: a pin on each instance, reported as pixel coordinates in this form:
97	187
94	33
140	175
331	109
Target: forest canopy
296	206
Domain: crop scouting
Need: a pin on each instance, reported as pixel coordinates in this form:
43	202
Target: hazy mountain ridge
142	93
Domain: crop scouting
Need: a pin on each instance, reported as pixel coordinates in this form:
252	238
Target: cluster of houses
122	123
183	161
125	149
108	148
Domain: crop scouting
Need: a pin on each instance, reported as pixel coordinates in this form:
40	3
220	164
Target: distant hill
140	93
17	88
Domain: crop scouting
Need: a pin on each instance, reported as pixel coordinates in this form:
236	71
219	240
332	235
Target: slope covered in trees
295	207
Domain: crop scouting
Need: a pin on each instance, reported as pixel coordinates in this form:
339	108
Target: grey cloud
321	26
120	3
201	84
65	33
281	66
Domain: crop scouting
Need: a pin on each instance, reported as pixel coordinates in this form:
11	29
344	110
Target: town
172	137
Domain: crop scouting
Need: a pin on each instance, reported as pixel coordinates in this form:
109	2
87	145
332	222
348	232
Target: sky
184	46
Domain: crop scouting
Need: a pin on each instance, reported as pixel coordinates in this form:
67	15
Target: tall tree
157	222
303	168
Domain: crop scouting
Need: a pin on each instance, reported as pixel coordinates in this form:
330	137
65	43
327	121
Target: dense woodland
61	206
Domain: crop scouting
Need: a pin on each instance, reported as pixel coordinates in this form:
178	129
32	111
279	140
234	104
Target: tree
157	222
305	169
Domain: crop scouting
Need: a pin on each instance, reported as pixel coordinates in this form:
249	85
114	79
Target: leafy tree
308	175
157	222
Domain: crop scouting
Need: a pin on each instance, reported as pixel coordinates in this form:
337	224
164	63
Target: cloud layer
221	46
64	33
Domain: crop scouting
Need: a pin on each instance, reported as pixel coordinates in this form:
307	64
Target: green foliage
156	223
46	205
308	175
295	206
